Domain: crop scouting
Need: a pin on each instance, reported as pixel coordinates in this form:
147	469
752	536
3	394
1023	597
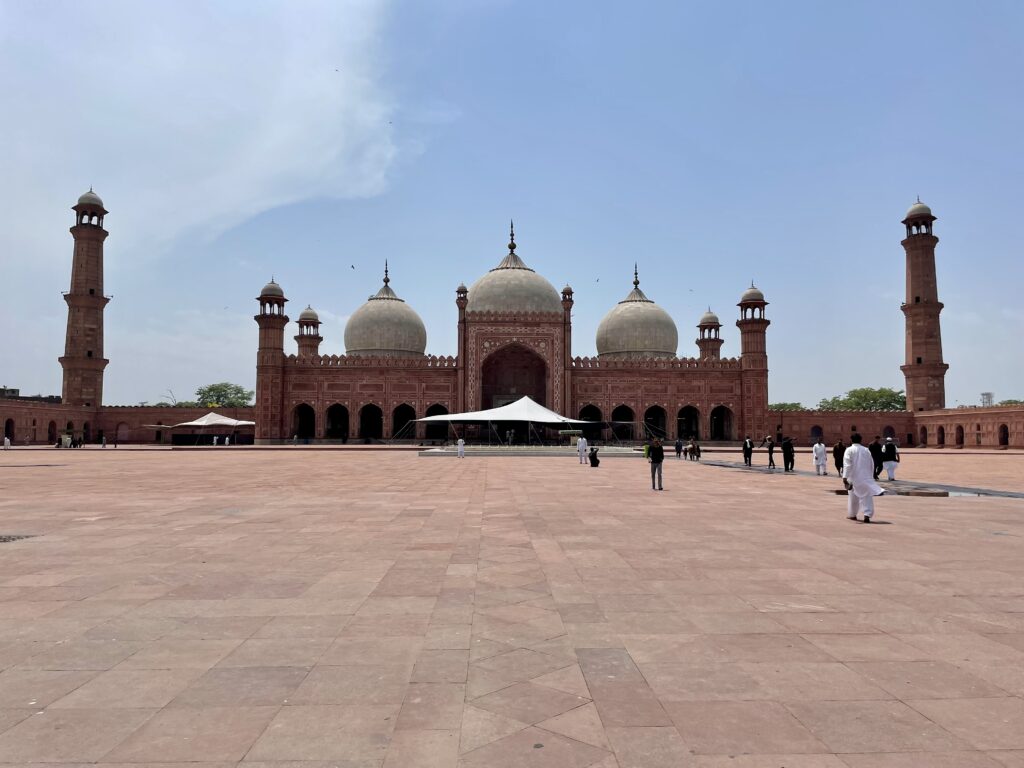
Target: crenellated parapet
364	361
514	317
655	363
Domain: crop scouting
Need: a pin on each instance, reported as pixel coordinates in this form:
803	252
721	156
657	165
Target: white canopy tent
209	420
523	409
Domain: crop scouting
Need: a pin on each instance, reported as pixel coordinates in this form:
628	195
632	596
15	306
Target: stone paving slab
374	609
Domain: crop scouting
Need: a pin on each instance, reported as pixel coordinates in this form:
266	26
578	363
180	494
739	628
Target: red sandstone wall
840	424
972	427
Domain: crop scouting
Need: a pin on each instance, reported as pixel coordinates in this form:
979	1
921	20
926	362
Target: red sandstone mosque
514	339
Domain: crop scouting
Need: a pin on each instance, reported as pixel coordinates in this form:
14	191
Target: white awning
209	420
523	409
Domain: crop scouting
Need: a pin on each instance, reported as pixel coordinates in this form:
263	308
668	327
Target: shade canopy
209	420
523	409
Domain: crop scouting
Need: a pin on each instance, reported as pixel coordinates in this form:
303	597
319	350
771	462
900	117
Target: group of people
690	450
785	443
587	452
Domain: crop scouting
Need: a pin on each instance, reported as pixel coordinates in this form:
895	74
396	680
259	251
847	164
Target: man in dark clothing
876	454
748	450
787	454
837	456
656	455
679	448
594	461
771	450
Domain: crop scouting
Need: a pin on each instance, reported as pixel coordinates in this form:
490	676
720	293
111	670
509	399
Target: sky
713	144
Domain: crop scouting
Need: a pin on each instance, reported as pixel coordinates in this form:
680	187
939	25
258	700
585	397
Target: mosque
514	339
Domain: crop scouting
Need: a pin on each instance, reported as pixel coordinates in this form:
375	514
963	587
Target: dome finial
511	235
386	278
636	276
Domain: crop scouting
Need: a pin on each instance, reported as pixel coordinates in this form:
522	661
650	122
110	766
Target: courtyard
362	609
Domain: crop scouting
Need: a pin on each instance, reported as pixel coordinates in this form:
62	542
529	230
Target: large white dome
637	327
385	325
513	287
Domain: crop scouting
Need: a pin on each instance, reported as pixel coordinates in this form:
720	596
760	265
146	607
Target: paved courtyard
362	609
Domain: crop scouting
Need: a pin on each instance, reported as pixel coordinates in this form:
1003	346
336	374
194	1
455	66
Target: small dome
272	289
709	318
751	294
918	209
513	287
90	198
385	325
309	315
462	288
637	327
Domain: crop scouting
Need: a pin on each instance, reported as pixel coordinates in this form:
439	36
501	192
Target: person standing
461	445
787	454
215	439
695	449
858	477
227	440
770	444
837	456
890	458
656	455
748	451
7	443
103	441
876	454
581	449
679	448
820	453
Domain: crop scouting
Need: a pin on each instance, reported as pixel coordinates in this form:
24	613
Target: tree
866	399
786	407
224	395
1011	401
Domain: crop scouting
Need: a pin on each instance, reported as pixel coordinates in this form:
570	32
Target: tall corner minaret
753	327
83	360
924	370
270	364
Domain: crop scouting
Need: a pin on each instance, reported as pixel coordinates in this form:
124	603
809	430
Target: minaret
924	371
309	333
567	303
461	300
709	341
270	364
83	360
753	327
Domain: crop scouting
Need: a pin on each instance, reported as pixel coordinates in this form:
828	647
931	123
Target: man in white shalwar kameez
820	453
581	449
461	445
859	478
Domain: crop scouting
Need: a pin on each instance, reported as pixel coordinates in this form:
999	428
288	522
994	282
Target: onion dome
385	325
309	315
513	287
751	294
918	209
272	289
91	198
637	327
709	318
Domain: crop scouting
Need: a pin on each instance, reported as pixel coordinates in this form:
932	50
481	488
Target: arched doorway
51	432
924	436
1004	434
624	419
371	422
940	436
510	373
721	423
888	432
688	423
437	430
86	433
159	437
122	431
655	420
401	418
336	423
591	413
9	429
959	435
304	422
817	432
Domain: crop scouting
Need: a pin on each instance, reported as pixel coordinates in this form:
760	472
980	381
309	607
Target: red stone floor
305	609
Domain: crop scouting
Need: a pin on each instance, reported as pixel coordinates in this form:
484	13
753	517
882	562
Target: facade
514	339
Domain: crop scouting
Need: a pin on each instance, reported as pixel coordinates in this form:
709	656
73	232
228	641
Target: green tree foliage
786	407
866	399
224	395
1011	402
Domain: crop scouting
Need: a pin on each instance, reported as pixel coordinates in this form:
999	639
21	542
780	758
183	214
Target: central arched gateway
510	373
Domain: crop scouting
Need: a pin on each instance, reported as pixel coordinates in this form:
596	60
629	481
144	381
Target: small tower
924	370
309	333
83	360
709	340
270	364
753	327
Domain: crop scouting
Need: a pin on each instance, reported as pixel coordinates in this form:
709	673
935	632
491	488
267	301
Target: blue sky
712	143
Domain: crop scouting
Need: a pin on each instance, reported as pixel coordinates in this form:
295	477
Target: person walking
858	477
461	445
890	458
837	456
581	449
679	448
748	451
787	454
227	440
656	455
876	454
820	454
215	439
103	441
770	444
